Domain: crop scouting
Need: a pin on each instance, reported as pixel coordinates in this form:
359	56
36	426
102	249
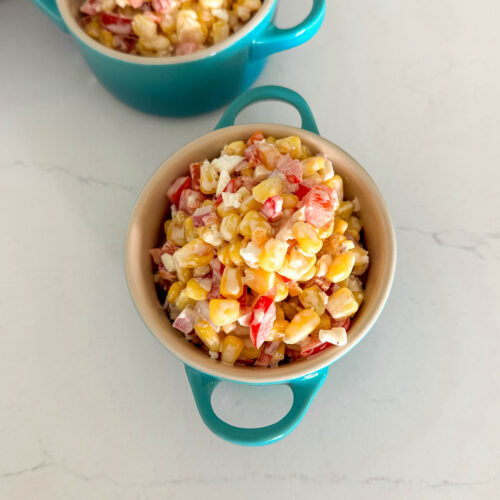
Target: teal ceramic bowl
303	377
190	84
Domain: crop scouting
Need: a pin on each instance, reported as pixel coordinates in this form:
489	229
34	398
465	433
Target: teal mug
194	83
145	228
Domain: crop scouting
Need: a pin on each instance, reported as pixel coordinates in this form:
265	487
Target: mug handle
274	39
49	8
269	93
303	390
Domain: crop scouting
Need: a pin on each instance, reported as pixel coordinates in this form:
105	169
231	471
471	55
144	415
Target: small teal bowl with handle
190	84
145	230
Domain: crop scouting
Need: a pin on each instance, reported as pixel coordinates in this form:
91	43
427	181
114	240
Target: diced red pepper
284	279
186	47
266	355
195	172
230	188
246	182
262	319
91	7
175	190
121	25
217	270
125	43
272	208
205	216
319	204
290	168
257	137
302	190
313	347
243	300
161	5
342	323
190	201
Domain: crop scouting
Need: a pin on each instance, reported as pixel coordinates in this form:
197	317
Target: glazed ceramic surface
144	233
190	84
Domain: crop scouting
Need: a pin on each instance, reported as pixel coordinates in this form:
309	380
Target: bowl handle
49	8
303	390
269	93
274	39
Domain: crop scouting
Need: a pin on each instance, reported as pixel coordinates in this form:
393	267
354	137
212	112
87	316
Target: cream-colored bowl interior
70	11
145	231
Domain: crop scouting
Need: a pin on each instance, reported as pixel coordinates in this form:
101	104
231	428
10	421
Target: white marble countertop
92	407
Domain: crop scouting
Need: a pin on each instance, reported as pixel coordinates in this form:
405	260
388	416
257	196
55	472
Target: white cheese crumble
250	255
231	200
168	261
336	336
227	163
224	179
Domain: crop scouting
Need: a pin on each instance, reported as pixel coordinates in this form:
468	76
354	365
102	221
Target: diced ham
190	200
292	169
125	43
91	7
217	270
246	182
186	47
319	205
205	216
342	323
186	320
178	186
161	5
314	346
121	25
167	275
272	208
169	248
202	309
195	172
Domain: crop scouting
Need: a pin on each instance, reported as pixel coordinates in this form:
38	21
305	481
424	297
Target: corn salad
159	28
262	262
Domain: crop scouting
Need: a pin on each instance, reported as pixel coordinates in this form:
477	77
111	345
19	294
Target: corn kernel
224	311
250	221
342	304
194	254
301	325
232	347
290	309
106	38
355	223
207	335
341	267
234	251
279	355
326	231
209	178
307	238
184	274
144	27
189	229
272	186
289	200
345	209
337	184
281	291
231	285
249	350
208	203
336	244
325	323
322	265
195	291
223	255
296	264
235	148
249	204
223	210
359	297
183	300
326	173
270	139
354	234
291	145
166	225
260	235
174	291
94	28
211	235
313	298
312	165
362	261
247	172
278	330
259	280
340	226
308	275
279	310
273	255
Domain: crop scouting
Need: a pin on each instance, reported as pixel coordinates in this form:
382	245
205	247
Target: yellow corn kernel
281	290
247	172
249	204
209	177
355	234
279	311
278	330
223	255
220	31
232	347
235	148
355	223
94	28
289	200
166	225
291	145
345	209
144	27
184	274
340	226
305	153
341	267
174	291
106	38
296	264
189	229
249	350
231	285
183	300
252	220
290	309
326	231
342	304
229	226
273	255
196	253
361	260
279	355
244	193
308	275
223	311
313	298
195	291
271	186
359	297
301	325
234	251
336	244
325	323
208	203
312	165
337	184
223	210
307	238
259	280
207	335
260	235
270	139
